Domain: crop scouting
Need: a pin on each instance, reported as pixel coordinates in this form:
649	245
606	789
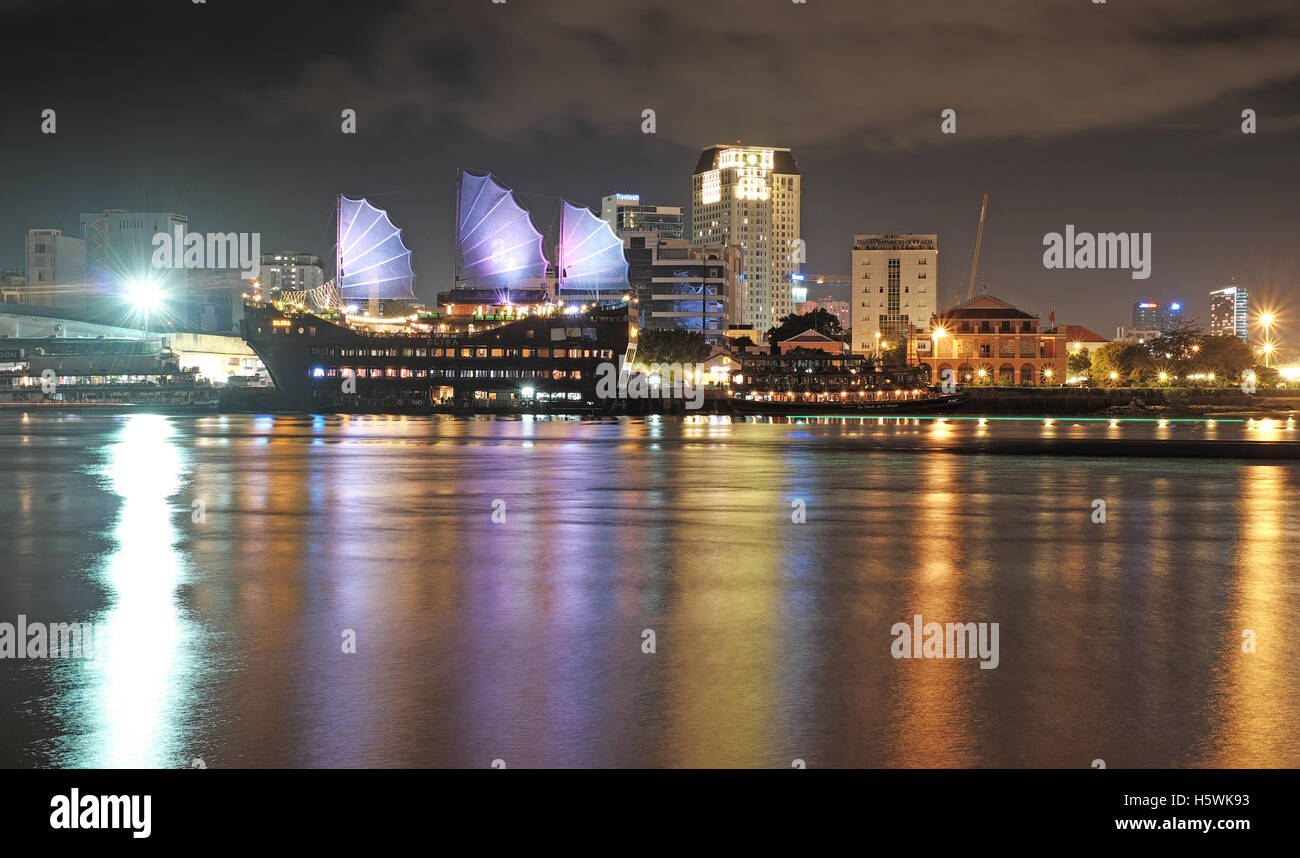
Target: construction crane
979	239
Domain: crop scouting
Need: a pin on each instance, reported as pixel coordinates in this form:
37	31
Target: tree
671	345
1129	361
820	320
1078	363
1224	355
895	356
1267	376
1179	343
743	343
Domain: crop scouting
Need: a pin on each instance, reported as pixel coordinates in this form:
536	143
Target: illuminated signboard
630	198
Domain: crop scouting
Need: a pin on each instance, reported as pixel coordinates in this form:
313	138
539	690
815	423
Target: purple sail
591	255
496	242
373	260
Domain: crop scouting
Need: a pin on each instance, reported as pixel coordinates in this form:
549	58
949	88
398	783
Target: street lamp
937	334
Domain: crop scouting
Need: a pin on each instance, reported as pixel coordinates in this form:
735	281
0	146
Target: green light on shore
1022	419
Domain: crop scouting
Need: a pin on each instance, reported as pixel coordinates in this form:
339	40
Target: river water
501	582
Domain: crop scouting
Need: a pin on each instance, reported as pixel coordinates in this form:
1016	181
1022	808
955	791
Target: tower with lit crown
748	196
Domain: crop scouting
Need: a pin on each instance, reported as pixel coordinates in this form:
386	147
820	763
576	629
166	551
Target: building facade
810	340
749	196
119	249
55	270
13	287
1129	334
895	285
1230	312
989	341
626	213
675	284
291	271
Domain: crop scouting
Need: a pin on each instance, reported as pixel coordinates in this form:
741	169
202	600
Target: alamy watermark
946	640
47	640
1103	250
658	381
180	249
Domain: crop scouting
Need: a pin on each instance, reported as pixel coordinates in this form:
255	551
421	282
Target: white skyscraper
749	196
895	283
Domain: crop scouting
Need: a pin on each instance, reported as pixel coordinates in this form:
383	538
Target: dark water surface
221	639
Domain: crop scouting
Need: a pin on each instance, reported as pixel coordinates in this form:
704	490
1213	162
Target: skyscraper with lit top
1229	311
749	196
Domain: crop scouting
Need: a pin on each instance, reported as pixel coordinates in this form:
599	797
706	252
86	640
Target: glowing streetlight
144	293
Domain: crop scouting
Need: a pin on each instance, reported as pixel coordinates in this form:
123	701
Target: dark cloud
861	74
1115	116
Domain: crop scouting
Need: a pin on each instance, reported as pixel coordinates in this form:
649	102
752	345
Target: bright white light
145	294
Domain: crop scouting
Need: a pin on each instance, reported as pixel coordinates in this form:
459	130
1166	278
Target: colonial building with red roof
989	341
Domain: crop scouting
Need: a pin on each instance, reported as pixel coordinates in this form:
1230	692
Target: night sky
1123	116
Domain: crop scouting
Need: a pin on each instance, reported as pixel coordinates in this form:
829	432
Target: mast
455	233
559	258
373	310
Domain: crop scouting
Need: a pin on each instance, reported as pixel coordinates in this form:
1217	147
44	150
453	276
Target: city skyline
267	154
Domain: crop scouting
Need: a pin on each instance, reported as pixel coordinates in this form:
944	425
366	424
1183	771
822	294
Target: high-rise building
291	271
1145	314
679	285
749	196
895	284
1229	311
1149	314
626	213
120	249
55	269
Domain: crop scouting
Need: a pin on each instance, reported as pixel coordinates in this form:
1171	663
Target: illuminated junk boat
525	353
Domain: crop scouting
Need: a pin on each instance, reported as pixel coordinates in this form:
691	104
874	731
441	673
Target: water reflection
521	638
135	705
